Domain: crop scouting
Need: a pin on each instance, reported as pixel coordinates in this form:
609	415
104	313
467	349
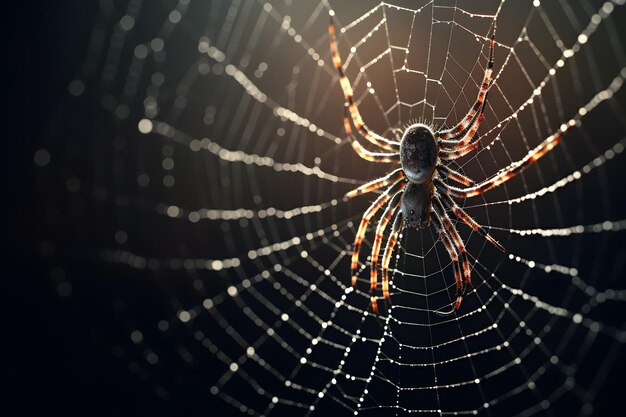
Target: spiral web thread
240	107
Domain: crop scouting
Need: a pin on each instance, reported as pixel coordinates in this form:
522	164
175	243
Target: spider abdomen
415	205
418	153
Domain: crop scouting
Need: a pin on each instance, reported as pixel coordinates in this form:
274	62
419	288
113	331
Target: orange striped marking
374	305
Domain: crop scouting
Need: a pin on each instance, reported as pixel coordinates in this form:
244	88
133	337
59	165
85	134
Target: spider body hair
418	153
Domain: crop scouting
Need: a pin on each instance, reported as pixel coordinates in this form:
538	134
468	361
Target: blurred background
175	240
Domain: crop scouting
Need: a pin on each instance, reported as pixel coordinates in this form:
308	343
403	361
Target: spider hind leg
391	243
369	213
450	204
461	285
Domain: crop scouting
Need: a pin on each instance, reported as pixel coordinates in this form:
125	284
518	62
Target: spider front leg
475	112
361	151
454	153
369	213
348	94
473	129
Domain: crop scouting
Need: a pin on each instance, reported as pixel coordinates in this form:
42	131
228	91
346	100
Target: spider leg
368	187
361	151
454	234
369	213
374	301
514	168
469	135
479	105
392	206
355	115
449	155
391	243
468	127
454	175
398	132
374	156
463	216
461	286
480	102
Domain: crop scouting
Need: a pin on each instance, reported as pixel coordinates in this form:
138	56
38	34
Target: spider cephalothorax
417	192
418	153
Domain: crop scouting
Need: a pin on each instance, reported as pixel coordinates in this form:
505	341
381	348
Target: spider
418	190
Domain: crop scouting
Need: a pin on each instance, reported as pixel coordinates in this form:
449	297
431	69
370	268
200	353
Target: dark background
49	359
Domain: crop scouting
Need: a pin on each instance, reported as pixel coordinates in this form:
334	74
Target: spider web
225	179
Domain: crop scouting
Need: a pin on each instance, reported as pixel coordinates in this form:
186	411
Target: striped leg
369	213
461	286
449	155
456	239
514	168
355	115
374	156
364	153
463	216
374	301
391	243
479	105
454	175
380	231
469	135
390	178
